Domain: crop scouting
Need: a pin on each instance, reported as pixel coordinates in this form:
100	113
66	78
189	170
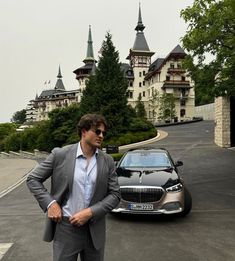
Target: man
84	188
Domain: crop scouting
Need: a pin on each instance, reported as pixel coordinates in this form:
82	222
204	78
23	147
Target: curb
161	135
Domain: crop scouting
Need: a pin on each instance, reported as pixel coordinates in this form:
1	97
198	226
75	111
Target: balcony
181	97
176	84
176	70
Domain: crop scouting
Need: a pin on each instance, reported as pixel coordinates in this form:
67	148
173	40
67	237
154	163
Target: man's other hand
81	217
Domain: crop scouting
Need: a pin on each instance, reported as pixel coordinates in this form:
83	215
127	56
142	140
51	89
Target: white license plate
140	206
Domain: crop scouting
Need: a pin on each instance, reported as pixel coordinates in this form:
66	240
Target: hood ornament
140	176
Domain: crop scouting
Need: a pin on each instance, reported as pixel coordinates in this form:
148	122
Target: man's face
94	136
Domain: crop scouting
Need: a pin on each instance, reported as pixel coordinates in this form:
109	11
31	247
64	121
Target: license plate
140	206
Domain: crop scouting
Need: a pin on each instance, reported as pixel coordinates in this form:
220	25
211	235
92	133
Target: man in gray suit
84	188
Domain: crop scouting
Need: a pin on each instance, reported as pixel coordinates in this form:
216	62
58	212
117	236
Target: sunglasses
98	132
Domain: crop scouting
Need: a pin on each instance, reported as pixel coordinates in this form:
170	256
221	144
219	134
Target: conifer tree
105	91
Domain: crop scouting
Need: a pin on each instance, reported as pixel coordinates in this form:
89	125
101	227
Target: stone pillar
222	122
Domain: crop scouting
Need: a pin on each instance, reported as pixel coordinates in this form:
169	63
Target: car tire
187	204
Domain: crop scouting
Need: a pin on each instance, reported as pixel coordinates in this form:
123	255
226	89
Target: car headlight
175	188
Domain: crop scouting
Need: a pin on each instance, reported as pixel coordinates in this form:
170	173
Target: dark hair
89	121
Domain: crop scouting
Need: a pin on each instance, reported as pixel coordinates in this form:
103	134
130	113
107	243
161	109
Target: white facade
171	78
44	105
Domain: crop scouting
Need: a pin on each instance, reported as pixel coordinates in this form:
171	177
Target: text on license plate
140	206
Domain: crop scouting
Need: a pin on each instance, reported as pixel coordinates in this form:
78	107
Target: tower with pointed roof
140	60
59	84
83	73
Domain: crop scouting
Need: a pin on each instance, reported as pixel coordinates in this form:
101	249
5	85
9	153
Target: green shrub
117	156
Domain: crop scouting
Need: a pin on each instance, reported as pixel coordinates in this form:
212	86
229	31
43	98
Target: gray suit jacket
59	165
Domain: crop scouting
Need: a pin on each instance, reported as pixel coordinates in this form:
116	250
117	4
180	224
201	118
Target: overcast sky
39	35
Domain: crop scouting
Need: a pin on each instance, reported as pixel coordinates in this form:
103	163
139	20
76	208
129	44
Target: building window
143	94
182	112
140	95
131	84
183	78
154	114
140	74
130	95
168	78
179	65
172	66
144	73
143	83
142	60
140	84
182	102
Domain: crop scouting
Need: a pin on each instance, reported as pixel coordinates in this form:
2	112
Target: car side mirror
179	163
116	163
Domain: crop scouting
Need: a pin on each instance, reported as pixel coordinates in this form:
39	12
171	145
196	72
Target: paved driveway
208	233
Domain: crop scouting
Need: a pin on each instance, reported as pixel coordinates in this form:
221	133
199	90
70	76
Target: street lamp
20	130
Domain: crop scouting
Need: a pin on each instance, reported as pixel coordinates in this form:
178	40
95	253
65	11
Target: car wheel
187	204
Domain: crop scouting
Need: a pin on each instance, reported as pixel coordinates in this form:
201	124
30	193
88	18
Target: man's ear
83	131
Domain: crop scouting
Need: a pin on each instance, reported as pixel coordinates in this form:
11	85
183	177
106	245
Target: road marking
4	247
9	189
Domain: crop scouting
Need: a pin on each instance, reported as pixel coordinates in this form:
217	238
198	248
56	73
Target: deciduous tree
140	109
211	30
19	117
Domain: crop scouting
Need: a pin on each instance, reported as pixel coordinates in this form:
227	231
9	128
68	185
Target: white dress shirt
85	174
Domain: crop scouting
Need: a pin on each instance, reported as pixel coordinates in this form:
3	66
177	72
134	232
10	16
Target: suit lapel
70	164
100	164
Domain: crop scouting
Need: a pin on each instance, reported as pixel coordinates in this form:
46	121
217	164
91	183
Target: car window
146	160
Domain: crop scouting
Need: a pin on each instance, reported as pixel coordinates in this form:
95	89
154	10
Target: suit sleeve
36	178
112	199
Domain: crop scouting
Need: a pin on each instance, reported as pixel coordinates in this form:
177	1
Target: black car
150	184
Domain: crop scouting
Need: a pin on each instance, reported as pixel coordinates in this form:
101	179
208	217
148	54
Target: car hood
154	177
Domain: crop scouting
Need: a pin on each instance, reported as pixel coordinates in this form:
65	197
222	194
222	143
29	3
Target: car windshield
145	160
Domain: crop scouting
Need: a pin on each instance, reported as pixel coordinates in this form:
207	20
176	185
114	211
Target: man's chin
98	144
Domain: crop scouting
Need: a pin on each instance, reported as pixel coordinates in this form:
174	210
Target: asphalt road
208	233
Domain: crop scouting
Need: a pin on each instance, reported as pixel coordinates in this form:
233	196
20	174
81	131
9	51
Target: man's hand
81	217
54	212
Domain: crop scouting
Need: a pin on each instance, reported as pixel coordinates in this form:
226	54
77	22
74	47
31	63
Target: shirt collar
80	152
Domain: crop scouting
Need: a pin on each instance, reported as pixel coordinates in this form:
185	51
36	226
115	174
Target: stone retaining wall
207	111
222	122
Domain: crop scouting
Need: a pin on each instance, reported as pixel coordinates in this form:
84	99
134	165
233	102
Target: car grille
141	194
